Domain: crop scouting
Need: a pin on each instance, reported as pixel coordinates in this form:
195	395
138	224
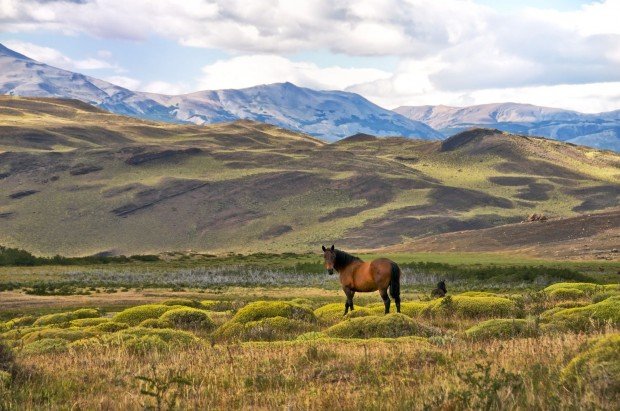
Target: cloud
246	71
55	58
163	87
123	81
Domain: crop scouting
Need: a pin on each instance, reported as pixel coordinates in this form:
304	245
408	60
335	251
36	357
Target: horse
359	276
440	291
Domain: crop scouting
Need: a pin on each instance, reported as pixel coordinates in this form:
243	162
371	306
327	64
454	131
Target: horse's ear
332	247
323	247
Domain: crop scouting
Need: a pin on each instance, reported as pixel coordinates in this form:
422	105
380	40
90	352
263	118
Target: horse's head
329	255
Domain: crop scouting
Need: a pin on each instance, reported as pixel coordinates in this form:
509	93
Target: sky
556	53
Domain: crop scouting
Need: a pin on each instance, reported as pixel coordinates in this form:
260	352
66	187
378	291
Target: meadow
267	331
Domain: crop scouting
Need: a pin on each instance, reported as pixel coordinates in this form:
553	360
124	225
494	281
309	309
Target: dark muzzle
330	271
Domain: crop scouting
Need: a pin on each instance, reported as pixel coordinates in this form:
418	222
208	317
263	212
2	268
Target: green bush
385	326
409	308
24	321
154	323
135	315
586	318
304	302
588	288
46	346
332	313
597	368
109	327
69	334
186	302
88	322
471	307
215	305
560	294
259	310
478	294
66	317
598	297
311	336
188	318
266	329
502	329
142	340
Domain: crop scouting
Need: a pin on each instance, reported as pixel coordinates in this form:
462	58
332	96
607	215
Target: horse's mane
343	259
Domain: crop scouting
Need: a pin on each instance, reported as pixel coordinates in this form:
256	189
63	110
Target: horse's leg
349	303
386	299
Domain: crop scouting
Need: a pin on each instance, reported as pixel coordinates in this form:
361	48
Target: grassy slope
104	182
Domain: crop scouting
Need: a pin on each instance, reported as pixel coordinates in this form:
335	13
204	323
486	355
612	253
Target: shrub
560	294
21	321
502	329
259	310
332	313
311	336
386	326
304	302
69	334
588	288
188	318
266	329
109	327
45	346
154	323
88	322
186	302
61	318
598	297
588	317
597	368
471	307
409	308
214	305
135	315
478	294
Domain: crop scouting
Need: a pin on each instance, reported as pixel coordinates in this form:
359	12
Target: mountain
76	180
329	115
600	130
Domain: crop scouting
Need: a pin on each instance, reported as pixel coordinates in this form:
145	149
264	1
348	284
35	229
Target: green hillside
76	180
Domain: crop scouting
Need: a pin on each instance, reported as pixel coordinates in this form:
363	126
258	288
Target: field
267	331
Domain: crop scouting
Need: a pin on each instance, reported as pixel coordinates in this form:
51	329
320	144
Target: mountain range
328	115
600	130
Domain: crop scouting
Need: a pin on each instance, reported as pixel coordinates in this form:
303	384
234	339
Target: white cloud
163	87
246	71
55	58
123	81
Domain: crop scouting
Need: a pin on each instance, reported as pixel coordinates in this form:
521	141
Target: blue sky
562	53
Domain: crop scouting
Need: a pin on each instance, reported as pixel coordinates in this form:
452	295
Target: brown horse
359	276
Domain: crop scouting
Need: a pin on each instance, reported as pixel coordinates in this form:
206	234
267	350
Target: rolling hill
78	180
329	115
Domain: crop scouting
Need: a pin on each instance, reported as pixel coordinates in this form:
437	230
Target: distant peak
5	51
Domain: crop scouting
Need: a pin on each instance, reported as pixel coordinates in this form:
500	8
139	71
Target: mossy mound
143	340
562	294
259	310
216	305
88	322
598	297
61	318
385	326
304	302
188	318
502	329
588	288
332	313
266	329
135	315
597	368
471	307
109	327
46	346
24	321
312	336
585	318
185	302
17	333
478	294
154	323
68	334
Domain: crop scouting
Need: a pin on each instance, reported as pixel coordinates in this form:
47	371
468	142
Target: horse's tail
395	282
